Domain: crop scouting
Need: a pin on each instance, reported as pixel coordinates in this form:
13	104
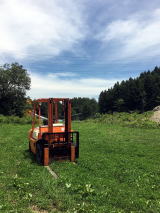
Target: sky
77	48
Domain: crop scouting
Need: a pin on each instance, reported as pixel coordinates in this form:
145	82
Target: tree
101	101
14	81
119	105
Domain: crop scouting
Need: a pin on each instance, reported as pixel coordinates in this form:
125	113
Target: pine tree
139	94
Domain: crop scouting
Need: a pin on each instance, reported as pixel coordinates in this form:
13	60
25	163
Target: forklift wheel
30	147
39	153
77	151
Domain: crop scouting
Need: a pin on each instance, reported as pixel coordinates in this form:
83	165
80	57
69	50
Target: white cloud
61	74
31	29
138	36
119	30
46	86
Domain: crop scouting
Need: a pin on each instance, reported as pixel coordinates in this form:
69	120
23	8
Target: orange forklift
56	140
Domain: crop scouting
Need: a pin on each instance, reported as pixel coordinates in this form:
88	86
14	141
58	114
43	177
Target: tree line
82	108
136	94
15	82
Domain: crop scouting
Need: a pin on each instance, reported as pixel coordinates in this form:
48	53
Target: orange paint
73	155
46	156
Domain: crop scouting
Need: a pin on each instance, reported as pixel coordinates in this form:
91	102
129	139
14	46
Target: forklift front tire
39	153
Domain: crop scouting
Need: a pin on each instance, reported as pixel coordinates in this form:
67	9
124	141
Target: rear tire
30	147
39	153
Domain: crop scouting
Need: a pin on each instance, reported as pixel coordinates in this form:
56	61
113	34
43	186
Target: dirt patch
35	209
51	172
156	116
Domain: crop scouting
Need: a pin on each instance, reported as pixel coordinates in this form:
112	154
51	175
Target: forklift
56	140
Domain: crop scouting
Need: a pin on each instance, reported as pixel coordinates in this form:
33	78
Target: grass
118	171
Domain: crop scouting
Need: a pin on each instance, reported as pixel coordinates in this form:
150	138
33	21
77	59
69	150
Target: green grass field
118	171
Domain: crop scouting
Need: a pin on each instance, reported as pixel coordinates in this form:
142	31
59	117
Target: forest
136	94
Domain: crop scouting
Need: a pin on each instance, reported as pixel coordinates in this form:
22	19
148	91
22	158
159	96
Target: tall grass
15	119
124	119
128	119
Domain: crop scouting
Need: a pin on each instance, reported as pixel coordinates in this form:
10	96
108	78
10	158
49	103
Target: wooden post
46	156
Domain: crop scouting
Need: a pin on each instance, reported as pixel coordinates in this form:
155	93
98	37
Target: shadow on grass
29	155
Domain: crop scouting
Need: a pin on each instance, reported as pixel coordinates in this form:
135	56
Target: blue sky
79	47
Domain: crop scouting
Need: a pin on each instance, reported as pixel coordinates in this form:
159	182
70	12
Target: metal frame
51	101
52	139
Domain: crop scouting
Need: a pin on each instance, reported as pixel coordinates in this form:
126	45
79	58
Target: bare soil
35	209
